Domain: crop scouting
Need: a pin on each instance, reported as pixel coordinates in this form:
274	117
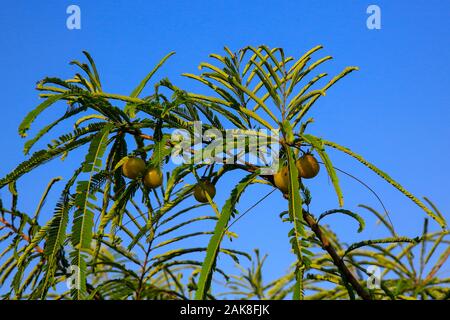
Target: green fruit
153	178
203	188
281	179
133	168
307	166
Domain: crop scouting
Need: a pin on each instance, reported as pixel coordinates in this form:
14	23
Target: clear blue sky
394	111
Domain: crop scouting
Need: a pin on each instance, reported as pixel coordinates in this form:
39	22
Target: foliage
126	241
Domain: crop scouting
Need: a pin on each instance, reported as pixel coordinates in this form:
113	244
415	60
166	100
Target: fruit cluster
134	168
307	167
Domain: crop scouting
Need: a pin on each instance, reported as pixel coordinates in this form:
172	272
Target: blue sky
394	111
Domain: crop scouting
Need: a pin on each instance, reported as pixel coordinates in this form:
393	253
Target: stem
438	265
144	267
24	236
337	260
149	249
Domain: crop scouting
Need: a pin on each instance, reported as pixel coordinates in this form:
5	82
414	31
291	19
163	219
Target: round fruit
133	168
281	179
307	166
203	188
153	178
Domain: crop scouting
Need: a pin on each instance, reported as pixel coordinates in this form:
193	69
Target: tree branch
337	260
24	236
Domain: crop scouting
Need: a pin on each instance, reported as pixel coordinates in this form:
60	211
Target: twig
24	236
337	260
438	266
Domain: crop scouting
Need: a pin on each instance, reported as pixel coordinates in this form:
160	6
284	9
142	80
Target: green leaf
219	232
386	240
137	91
30	143
141	85
296	216
287	130
317	143
83	220
308	106
40	157
32	115
258	101
96	77
354	215
160	151
386	177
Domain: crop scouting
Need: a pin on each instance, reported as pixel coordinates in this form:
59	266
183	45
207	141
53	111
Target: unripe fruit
133	168
281	179
203	188
307	166
153	178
